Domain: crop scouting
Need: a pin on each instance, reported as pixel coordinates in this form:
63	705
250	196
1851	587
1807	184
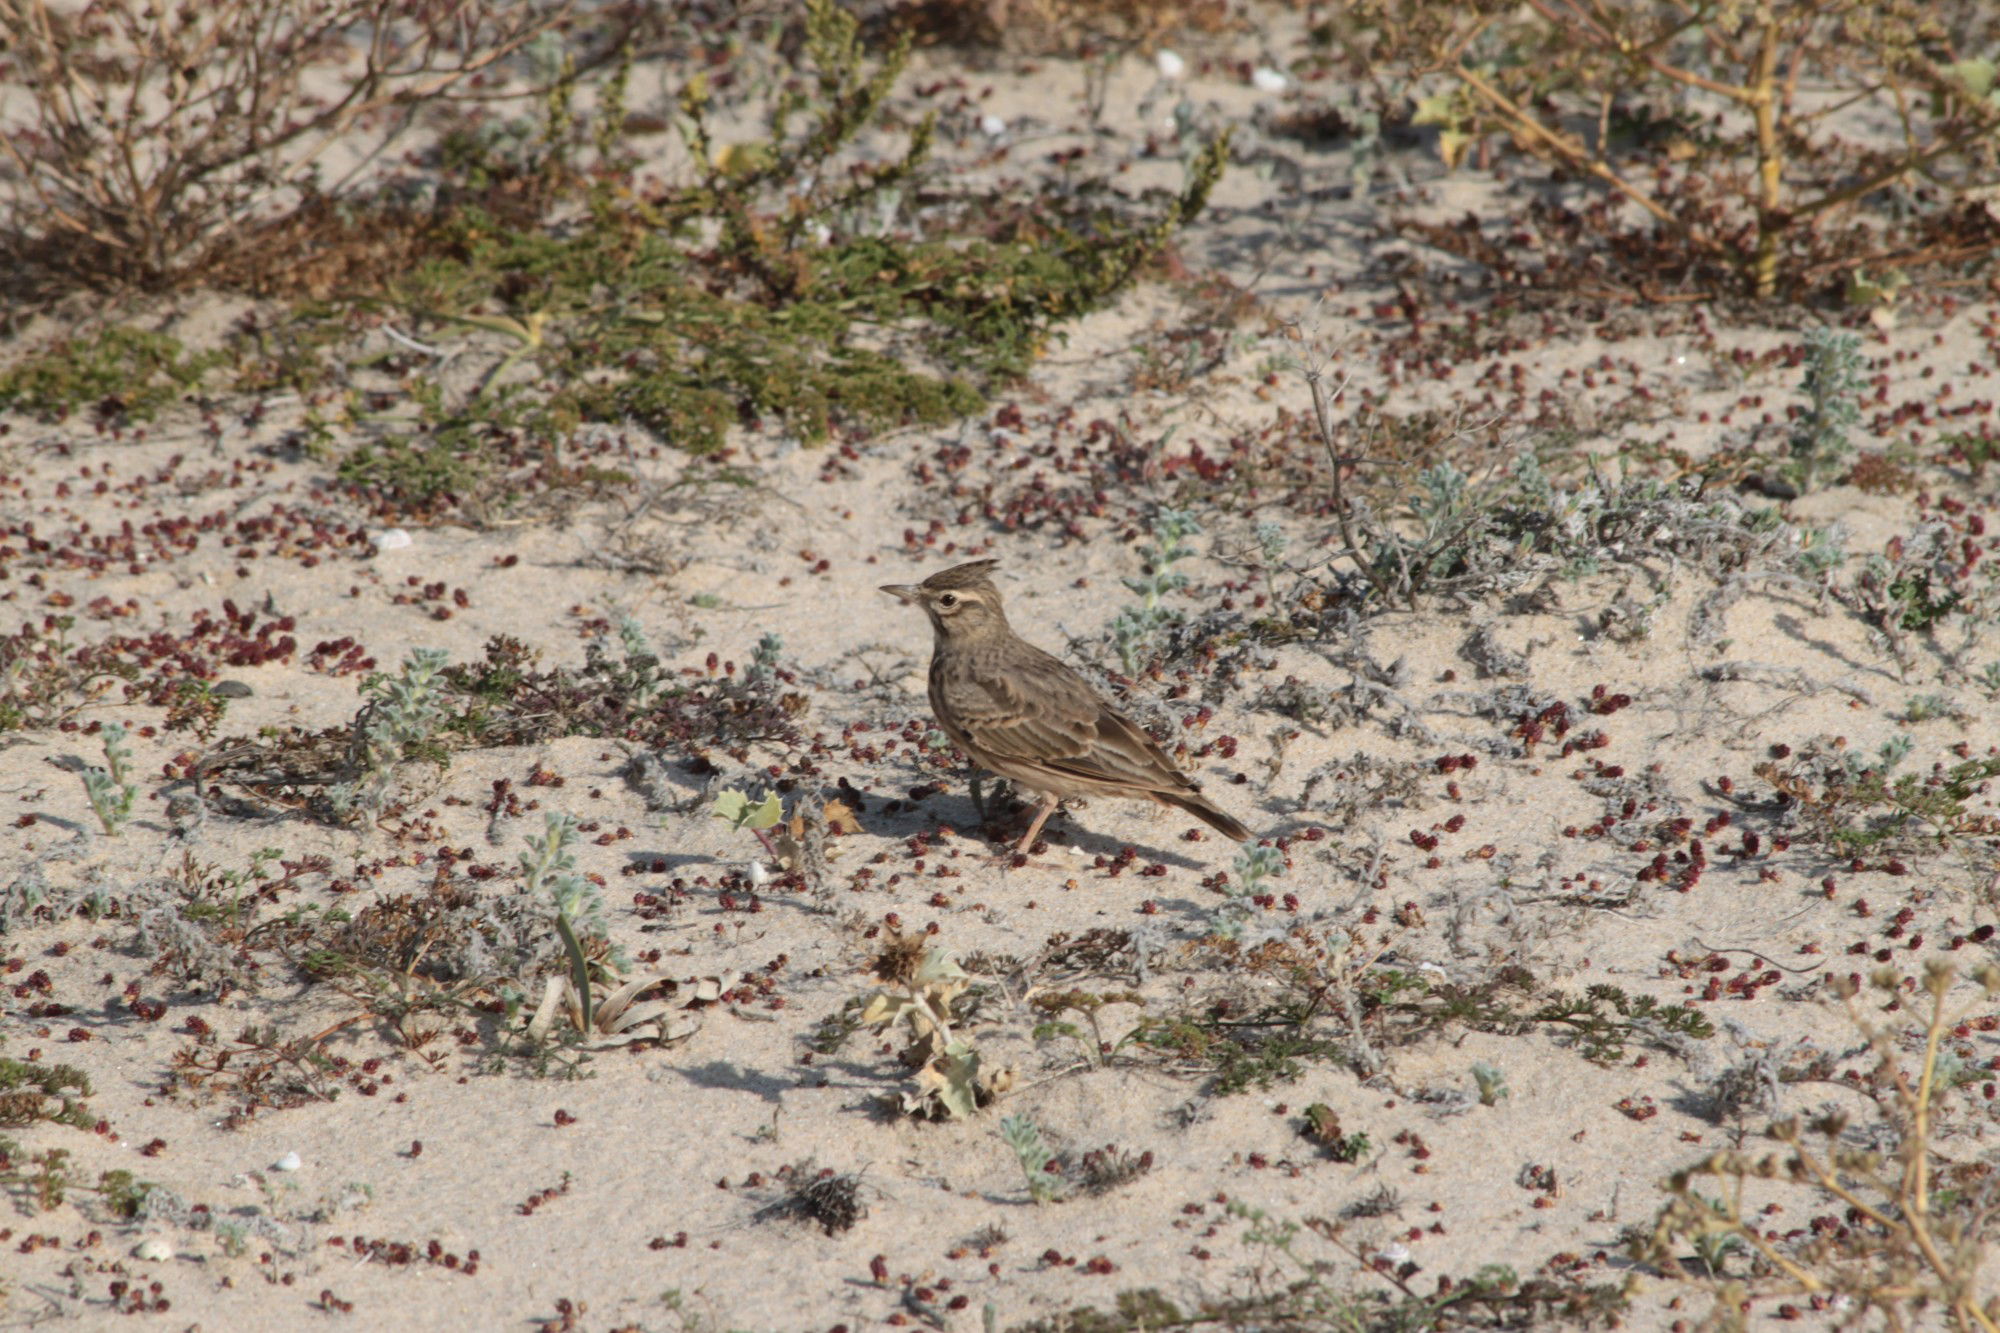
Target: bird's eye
948	601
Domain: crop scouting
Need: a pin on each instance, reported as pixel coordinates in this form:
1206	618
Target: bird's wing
1040	712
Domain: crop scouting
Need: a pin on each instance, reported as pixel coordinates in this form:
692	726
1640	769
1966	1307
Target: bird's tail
1208	814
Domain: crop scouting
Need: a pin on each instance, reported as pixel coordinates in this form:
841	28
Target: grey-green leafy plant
1833	383
1988	678
111	789
1035	1157
764	657
399	722
1925	707
1133	632
1271	544
548	868
1253	865
1893	752
1492	1083
644	675
1821	550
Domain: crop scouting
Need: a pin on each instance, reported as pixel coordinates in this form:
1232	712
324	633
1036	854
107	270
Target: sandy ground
637	1193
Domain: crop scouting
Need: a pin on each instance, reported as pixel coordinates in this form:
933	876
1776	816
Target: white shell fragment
1170	64
154	1250
1269	80
992	126
390	539
289	1162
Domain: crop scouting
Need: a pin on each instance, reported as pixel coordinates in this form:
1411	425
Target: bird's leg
978	796
1047	808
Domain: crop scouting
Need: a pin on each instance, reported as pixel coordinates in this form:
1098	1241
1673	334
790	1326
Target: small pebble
992	126
154	1250
230	689
391	539
1170	64
1269	80
289	1162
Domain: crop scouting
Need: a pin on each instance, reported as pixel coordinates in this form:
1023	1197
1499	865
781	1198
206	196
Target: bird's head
961	601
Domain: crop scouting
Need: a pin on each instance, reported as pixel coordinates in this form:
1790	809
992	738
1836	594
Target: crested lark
1021	713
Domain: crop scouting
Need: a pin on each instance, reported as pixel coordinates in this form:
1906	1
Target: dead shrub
1773	147
155	135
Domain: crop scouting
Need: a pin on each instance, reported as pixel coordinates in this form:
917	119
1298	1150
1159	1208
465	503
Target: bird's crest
971	574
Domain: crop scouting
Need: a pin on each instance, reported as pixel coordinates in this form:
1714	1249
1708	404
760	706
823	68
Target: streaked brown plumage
1025	715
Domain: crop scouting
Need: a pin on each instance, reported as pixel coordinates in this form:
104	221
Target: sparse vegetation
1563	631
1694	123
1916	1221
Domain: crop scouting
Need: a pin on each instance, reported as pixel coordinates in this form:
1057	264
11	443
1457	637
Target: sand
640	1194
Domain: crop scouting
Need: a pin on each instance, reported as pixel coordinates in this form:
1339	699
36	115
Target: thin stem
1323	418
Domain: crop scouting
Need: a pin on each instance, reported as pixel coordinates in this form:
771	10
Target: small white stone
757	874
1394	1252
1170	64
992	126
1269	80
289	1162
391	539
154	1250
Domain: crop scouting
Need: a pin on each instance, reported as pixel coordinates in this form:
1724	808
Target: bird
1022	713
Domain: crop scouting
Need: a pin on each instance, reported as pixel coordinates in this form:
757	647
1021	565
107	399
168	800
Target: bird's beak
902	592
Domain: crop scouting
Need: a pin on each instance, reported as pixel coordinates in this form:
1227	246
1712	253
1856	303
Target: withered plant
1908	1224
1752	138
154	132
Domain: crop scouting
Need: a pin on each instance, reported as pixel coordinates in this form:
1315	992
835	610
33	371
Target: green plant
1833	386
781	281
1271	544
548	868
1600	1022
741	813
1492	1084
1135	628
399	722
1849	805
1514	527
1253	866
1322	1126
35	1093
1926	707
1261	1048
1038	1163
1050	1006
111	789
44	679
610	1014
119	371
